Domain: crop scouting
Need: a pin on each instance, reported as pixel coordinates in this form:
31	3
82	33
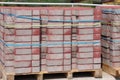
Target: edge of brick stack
110	63
111	70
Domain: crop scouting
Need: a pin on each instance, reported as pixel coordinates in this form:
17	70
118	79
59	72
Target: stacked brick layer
69	38
111	36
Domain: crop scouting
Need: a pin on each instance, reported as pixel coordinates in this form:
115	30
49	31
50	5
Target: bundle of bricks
111	36
49	39
27	57
19	55
56	55
87	35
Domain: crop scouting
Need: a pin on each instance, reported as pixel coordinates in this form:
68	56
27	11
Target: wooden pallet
39	76
111	70
97	73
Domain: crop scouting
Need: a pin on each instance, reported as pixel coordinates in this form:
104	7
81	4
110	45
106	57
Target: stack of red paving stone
87	35
19	35
50	39
56	55
111	36
28	39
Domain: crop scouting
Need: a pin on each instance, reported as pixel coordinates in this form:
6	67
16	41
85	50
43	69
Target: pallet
97	73
111	70
40	75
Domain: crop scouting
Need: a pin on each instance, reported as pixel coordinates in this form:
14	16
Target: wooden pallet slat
97	73
40	77
111	70
68	74
10	77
